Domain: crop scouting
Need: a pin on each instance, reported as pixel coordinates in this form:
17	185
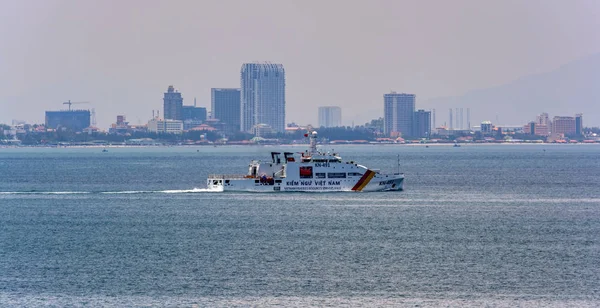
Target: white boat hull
367	183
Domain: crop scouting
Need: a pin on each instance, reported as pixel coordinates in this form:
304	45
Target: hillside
572	88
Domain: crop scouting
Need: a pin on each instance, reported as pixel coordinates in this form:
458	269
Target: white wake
176	191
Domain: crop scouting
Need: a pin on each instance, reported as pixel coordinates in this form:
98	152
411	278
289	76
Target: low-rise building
191	123
533	128
165	126
262	130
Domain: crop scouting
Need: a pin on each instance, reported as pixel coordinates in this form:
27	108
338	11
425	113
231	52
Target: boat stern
214	184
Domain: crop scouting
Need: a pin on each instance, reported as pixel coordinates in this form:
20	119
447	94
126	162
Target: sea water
496	225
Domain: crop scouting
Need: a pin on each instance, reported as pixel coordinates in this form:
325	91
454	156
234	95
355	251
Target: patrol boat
310	171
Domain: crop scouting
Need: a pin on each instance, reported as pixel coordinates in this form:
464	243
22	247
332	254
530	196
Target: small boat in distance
310	171
104	150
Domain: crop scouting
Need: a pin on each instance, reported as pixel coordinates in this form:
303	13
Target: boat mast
312	137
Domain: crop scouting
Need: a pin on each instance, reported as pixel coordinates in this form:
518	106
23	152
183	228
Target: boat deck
229	176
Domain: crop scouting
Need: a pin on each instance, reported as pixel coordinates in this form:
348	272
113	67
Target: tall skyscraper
398	111
262	96
422	124
225	106
330	116
173	103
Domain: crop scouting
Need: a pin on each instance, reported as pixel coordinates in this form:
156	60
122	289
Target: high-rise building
421	124
75	120
531	129
330	116
564	125
262	96
543	119
579	124
193	113
398	112
225	106
173	103
192	116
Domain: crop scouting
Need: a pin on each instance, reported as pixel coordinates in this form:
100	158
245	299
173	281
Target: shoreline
297	145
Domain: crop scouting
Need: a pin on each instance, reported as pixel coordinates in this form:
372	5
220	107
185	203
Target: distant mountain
570	89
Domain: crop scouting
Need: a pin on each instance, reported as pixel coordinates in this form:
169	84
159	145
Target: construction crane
73	103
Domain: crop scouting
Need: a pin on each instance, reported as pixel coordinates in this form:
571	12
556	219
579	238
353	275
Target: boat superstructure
310	171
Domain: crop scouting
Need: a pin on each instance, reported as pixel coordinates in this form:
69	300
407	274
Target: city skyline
121	67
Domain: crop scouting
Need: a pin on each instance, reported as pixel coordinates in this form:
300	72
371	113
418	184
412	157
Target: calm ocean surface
493	225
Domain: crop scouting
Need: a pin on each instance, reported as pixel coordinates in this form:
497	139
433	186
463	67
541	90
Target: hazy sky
122	55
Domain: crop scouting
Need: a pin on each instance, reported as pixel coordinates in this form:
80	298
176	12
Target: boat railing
229	176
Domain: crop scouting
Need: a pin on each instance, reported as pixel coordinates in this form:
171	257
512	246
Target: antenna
194	102
398	163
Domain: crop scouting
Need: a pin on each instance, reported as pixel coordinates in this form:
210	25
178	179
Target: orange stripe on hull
364	181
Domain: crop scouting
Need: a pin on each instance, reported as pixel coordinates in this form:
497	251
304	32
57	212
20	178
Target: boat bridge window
336	175
320	175
289	157
354	174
